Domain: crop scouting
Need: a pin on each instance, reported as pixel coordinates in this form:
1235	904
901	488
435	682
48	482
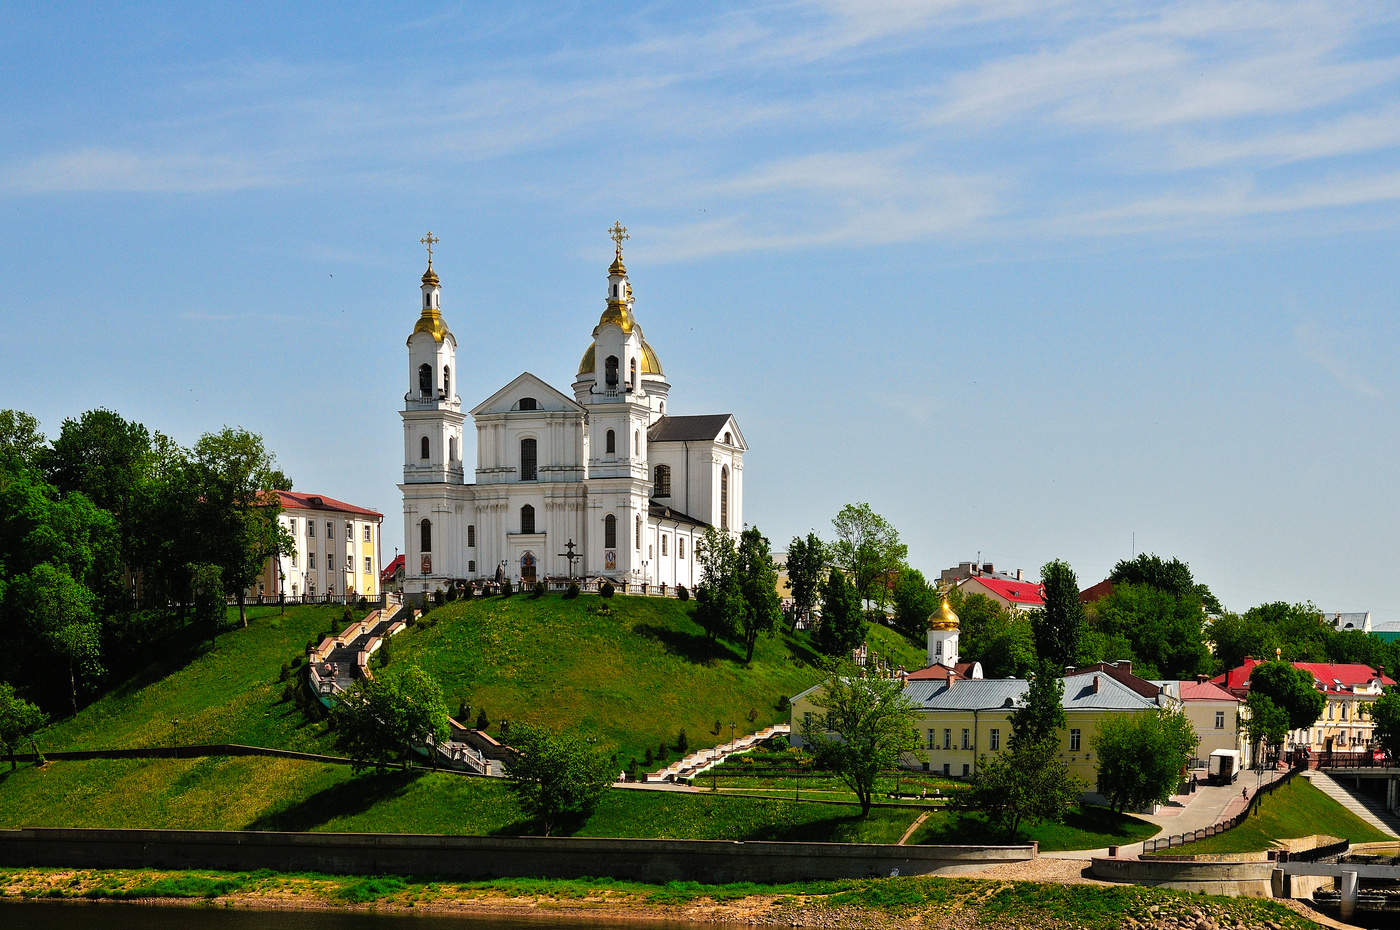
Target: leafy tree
1163	629
1000	639
914	600
719	599
18	719
1026	784
236	513
1297	631
61	614
1291	689
806	560
1266	726
867	548
842	625
21	442
869	725
382	718
1170	575
557	778
1141	756
758	583
1385	713
1040	714
1057	626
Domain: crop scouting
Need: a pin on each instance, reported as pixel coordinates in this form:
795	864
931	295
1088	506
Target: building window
1073	740
610	443
966	740
662	481
663	547
610	532
369	533
728	439
632	377
294	558
423	448
930	739
1220	719
452	448
528	403
369	567
1344	711
527	460
680	548
330	530
994	739
446	381
425	380
349	531
610	371
310	561
639	533
947	739
471	565
724	498
425	536
349	562
471	535
636	442
527	519
311	529
292	526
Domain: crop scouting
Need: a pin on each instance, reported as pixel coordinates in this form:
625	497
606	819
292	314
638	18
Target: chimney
1069	670
1020	574
1201	679
1096	684
987	568
1124	665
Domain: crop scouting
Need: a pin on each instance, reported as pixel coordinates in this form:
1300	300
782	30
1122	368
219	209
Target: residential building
1214	714
335	550
1008	592
1350	689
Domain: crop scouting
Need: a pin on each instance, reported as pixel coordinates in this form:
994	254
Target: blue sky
1030	277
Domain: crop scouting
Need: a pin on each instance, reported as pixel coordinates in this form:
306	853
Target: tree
758	584
1040	714
557	777
1142	755
1163	629
869	725
1026	784
867	547
1170	575
914	600
719	599
1266	726
1291	689
61	614
842	624
1057	626
806	558
382	718
18	719
1000	639
236	512
1385	713
21	442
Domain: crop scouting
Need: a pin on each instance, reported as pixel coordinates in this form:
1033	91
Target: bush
715	729
506	589
481	721
572	591
464	710
467	593
663	752
682	593
439	597
538	590
783	702
650	759
384	654
606	589
682	742
286	670
778	744
752	715
296	661
451	593
362	603
289	692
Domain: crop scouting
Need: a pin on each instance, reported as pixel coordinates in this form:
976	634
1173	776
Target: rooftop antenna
1134	544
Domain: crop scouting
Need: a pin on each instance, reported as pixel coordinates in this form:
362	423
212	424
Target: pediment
508	398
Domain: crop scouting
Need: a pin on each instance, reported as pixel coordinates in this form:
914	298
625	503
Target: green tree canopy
1040	714
1058	625
1385	713
1026	784
719	598
383	718
1142	756
1164	630
1172	576
869	725
18	719
1000	639
758	584
806	562
914	600
842	624
1291	689
1265	725
867	548
557	779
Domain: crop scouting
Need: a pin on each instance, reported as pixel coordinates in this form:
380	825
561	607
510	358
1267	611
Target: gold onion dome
651	365
943	618
430	276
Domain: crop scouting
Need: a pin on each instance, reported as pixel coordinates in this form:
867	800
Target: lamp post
174	732
731	737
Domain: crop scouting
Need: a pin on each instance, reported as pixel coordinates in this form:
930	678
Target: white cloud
1324	349
125	170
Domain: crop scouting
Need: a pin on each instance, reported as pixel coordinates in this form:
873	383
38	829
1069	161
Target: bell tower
943	637
432	414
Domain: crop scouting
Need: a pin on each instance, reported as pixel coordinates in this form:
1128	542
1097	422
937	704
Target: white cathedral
632	488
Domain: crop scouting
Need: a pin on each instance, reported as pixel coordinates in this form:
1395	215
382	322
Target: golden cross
430	240
617	233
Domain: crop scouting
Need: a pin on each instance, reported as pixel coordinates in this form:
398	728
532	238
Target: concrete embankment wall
1246	879
472	857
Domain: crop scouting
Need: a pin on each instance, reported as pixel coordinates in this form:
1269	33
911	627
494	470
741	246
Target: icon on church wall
527	567
427	565
610	560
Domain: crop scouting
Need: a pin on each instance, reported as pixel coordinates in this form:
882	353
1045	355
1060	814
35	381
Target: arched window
425	536
527	568
639	533
663	408
425	380
610	444
724	498
728	439
446	381
423	448
632	377
662	481
427	300
527	519
610	532
528	403
452	448
471	535
663	547
610	371
636	442
527	460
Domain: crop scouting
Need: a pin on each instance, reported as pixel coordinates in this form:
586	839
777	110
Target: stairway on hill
702	759
1360	804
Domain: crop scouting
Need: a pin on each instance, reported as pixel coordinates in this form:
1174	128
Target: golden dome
430	276
620	314
431	322
651	365
943	618
617	267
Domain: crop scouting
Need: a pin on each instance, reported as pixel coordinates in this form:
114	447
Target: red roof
293	500
1017	592
1203	691
939	672
1329	674
1095	591
393	567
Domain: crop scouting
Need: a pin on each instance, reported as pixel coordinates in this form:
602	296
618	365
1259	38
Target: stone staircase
1363	806
702	759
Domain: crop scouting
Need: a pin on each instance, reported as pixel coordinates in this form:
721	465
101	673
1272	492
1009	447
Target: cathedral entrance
527	568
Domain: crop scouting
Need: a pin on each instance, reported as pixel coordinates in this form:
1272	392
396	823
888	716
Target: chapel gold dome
943	618
651	365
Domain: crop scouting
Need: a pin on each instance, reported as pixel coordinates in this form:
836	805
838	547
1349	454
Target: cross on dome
430	240
618	233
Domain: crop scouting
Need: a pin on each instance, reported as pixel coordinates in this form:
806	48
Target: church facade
608	469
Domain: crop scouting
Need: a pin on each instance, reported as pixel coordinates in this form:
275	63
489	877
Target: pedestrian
1244	793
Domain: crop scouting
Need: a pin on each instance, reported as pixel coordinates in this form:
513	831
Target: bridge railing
1365	759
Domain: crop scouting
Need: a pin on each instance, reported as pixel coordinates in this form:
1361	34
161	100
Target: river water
49	915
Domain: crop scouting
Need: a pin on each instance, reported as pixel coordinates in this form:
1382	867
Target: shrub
783	702
384	654
467	593
289	692
506	589
296	661
347	616
682	593
362	603
778	744
715	729
538	591
606	589
572	591
286	670
650	759
481	721
752	715
663	752
439	597
451	593
464	710
682	742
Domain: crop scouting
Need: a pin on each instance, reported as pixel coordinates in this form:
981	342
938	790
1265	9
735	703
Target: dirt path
912	827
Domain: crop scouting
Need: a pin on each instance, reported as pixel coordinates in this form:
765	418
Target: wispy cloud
125	170
1322	348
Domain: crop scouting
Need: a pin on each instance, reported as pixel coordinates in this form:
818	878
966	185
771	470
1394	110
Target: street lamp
731	737
174	732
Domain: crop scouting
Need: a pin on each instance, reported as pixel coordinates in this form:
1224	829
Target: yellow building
335	551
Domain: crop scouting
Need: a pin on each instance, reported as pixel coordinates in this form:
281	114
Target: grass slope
1299	808
226	693
631	678
1085	827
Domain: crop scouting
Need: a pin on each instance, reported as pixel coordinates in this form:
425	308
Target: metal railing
349	600
1365	759
1181	839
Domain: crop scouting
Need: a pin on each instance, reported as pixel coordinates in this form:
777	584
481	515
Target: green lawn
1297	809
631	678
227	693
1086	827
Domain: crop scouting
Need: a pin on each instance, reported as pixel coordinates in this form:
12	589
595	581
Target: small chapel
605	484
